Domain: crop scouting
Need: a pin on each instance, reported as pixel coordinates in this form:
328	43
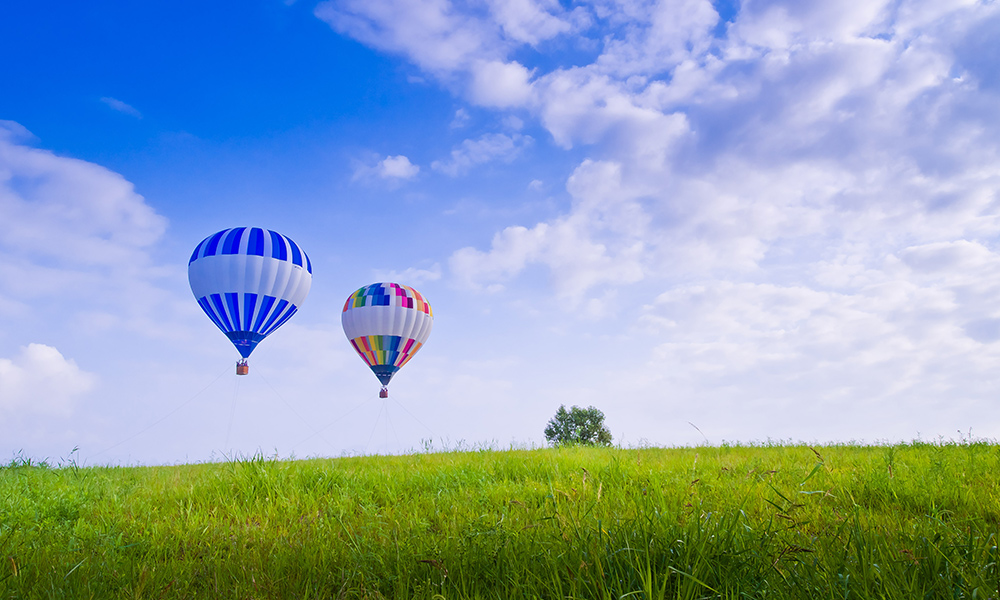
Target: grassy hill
905	521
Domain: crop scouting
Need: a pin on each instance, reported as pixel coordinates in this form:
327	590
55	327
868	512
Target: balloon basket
242	368
383	393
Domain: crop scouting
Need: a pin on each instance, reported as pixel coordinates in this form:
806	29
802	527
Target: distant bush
584	426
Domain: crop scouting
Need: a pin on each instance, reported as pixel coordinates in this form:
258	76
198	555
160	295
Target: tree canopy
578	426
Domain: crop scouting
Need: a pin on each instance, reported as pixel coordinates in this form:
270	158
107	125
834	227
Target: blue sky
769	219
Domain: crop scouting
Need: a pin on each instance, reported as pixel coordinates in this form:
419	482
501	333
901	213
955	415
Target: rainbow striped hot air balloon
387	323
249	281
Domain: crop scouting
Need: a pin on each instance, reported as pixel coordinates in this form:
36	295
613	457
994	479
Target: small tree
578	426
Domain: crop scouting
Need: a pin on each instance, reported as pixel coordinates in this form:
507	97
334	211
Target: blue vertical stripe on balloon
196	250
296	254
249	303
233	304
213	243
278	249
221	311
393	349
256	245
265	310
309	264
288	315
232	243
205	306
282	303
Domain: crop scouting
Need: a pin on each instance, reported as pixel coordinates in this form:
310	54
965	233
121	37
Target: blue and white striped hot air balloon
249	281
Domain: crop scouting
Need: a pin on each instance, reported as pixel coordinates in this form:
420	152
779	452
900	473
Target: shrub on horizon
583	426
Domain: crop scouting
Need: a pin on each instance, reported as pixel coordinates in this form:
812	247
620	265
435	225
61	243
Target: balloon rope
414	417
375	426
389	426
232	414
332	423
297	414
164	417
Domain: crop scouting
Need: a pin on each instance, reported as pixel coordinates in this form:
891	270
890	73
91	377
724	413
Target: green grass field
904	521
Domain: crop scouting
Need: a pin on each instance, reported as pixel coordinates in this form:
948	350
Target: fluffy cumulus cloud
656	37
599	244
500	84
397	167
797	131
390	170
445	37
77	244
485	149
435	34
530	22
40	380
807	195
69	209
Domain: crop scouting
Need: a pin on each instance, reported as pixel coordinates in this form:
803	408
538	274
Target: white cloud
412	276
896	331
461	119
500	85
959	256
434	34
577	249
513	122
576	262
77	245
40	380
530	22
70	210
791	359
485	149
397	167
392	170
583	105
835	121
121	107
658	37
512	249
446	37
452	42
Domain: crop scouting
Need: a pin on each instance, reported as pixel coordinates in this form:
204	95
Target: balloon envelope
249	281
387	323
